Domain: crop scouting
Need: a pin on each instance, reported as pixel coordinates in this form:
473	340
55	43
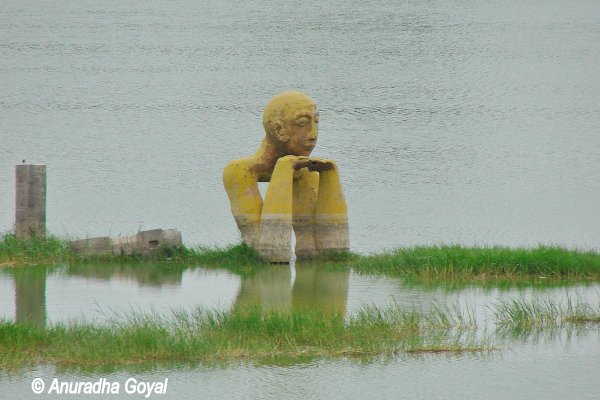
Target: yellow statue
304	194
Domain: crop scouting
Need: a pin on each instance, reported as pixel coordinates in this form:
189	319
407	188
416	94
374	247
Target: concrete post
30	213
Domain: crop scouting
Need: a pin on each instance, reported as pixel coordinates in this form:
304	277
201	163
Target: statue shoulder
236	170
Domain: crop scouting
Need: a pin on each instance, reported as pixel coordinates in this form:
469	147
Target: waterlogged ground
551	363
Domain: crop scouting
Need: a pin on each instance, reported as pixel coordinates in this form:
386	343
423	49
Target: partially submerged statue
304	194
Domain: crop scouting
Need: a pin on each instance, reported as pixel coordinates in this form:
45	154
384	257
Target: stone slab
144	243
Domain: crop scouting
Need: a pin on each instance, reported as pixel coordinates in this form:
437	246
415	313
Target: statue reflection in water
312	288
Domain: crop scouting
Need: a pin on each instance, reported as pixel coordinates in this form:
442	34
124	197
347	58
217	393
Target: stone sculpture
304	193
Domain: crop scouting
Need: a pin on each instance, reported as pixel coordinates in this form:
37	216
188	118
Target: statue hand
301	162
320	165
313	164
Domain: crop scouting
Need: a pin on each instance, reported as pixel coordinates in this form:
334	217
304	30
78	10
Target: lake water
554	364
454	121
472	122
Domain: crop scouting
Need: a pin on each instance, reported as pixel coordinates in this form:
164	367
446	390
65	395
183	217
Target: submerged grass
526	315
203	336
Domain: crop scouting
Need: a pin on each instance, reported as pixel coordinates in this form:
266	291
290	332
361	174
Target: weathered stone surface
30	207
92	247
144	243
275	242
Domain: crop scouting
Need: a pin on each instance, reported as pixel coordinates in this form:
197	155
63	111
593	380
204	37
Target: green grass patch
479	264
204	336
15	252
236	254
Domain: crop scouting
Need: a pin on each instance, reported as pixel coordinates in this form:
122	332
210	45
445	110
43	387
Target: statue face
302	130
291	119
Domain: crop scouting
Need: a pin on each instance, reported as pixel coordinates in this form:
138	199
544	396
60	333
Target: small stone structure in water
304	194
144	243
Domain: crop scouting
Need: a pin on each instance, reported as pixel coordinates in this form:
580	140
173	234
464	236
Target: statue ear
279	134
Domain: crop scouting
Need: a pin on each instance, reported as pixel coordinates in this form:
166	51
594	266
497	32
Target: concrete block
92	247
144	243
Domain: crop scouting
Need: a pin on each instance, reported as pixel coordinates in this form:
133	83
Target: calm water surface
472	122
464	121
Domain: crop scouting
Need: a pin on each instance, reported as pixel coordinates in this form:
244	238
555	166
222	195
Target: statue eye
302	121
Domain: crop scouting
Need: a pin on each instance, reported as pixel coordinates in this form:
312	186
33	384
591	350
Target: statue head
290	120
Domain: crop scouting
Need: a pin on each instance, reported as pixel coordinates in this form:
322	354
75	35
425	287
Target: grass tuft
526	315
51	250
239	254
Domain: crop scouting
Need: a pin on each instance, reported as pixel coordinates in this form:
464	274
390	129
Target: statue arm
274	242
331	211
245	199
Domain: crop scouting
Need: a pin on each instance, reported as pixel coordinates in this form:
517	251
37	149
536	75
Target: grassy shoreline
476	264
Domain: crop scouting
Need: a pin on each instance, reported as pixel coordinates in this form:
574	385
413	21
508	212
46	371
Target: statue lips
310	144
